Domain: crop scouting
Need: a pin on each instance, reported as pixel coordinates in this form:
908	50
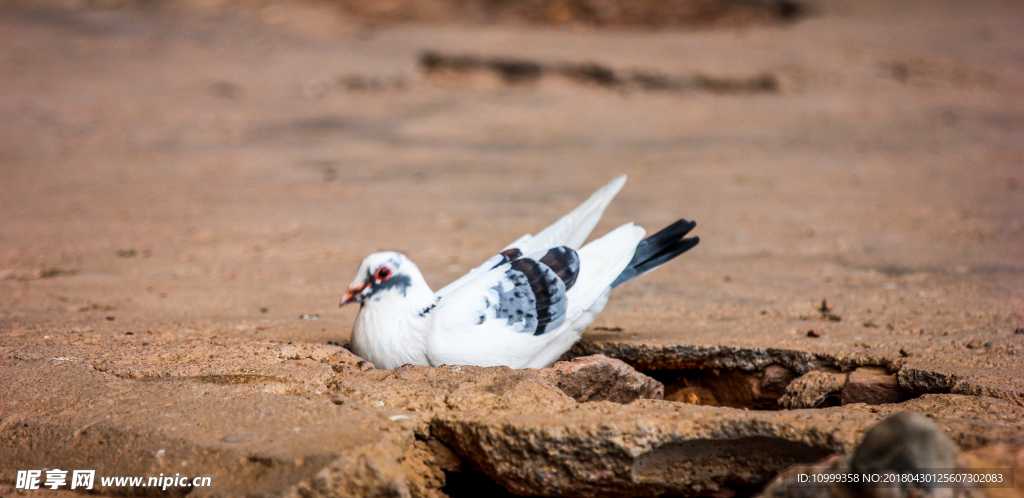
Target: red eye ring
382	273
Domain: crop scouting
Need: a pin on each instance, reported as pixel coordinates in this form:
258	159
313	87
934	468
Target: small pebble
1020	330
110	318
813	333
309	317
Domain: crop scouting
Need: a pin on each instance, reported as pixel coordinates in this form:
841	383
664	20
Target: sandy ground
197	173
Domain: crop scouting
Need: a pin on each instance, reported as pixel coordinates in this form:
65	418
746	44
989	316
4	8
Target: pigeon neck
391	329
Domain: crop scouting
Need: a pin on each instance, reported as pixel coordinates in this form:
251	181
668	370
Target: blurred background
187	188
205	167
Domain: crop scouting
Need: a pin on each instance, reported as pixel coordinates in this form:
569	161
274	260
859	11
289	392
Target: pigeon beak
352	293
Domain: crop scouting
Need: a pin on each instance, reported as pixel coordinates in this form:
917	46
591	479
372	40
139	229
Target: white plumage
522	308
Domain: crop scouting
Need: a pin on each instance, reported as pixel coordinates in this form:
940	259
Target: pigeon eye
382	273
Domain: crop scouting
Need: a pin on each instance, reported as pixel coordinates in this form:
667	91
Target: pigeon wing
514	312
601	261
505	315
570	231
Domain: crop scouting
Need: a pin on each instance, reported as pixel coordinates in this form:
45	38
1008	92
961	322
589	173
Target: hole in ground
469	483
731	388
741	378
474	484
778	388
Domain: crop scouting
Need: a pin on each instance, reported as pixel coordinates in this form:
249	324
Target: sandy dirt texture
187	189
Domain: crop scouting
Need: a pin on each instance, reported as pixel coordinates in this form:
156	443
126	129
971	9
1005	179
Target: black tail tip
659	249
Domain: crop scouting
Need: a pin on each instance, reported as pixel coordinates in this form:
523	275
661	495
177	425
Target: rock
651	357
653	447
775	380
812	389
446	458
599	378
250	443
872	386
905	440
422	390
916	380
345	361
787	485
396	432
424	474
371	472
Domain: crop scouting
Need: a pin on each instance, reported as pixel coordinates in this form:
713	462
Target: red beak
351	293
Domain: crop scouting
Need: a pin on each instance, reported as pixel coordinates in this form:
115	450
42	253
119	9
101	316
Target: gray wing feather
531	295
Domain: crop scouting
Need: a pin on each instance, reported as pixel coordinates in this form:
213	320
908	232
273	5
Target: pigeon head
379	275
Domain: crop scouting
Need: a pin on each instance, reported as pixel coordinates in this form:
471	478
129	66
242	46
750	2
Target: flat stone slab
67	415
658	447
357	432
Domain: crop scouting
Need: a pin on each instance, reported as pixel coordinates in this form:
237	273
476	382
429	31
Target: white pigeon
522	308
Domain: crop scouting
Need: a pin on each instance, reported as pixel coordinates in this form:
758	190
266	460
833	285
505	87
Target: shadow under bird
523	308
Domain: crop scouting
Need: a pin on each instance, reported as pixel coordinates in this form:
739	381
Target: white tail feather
570	230
573	229
601	262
